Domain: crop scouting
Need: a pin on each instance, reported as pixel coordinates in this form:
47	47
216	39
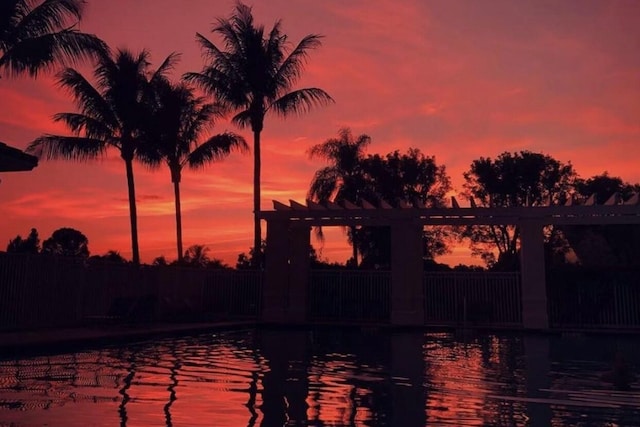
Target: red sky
457	79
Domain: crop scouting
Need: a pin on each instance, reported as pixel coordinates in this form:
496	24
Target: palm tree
35	35
197	256
178	122
111	116
254	74
342	180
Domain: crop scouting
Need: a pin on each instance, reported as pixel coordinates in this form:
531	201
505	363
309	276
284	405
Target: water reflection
320	378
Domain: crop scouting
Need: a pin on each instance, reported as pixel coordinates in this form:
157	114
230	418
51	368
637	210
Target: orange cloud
457	80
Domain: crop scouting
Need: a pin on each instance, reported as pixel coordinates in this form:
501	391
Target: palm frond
197	119
42	53
48	17
233	29
167	65
67	147
150	156
89	126
222	77
330	149
301	101
291	68
87	97
11	13
216	148
324	184
242	119
319	234
212	52
124	69
275	47
220	85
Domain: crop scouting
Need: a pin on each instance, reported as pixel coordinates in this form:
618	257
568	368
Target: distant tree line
512	179
71	243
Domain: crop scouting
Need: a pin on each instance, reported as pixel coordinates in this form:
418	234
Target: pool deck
14	343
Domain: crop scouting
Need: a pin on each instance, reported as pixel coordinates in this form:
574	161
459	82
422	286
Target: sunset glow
457	79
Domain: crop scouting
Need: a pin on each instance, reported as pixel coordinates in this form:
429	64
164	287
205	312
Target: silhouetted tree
30	245
35	35
111	256
160	261
247	262
111	116
255	73
402	178
250	261
512	179
605	245
198	256
343	178
67	242
178	123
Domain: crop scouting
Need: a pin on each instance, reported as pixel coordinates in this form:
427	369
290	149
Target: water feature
325	377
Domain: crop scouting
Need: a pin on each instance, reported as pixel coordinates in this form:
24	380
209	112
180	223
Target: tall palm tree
111	115
342	180
255	73
35	35
179	120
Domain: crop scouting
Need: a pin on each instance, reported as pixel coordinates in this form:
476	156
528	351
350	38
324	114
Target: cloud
458	80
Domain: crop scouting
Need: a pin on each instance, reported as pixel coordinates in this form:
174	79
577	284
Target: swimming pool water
325	378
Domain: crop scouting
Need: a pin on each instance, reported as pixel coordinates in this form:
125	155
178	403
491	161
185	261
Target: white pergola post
532	271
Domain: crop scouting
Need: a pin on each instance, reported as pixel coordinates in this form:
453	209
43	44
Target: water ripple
324	378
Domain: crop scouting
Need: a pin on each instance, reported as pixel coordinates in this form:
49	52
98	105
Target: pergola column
276	284
299	244
532	271
407	307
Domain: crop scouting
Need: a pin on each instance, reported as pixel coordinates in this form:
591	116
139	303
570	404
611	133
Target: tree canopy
394	178
28	245
512	179
604	245
67	242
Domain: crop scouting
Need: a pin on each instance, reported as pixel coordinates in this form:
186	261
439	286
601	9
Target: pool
351	377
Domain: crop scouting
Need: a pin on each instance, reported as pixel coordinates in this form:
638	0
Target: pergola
288	240
14	160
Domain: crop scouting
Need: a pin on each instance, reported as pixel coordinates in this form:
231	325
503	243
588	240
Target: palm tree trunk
132	212
257	232
176	193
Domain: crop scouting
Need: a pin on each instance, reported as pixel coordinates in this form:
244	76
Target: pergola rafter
614	211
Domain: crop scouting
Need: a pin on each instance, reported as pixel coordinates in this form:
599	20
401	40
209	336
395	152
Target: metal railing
45	291
472	298
594	299
349	295
41	291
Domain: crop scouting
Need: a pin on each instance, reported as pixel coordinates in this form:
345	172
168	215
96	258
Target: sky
456	79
